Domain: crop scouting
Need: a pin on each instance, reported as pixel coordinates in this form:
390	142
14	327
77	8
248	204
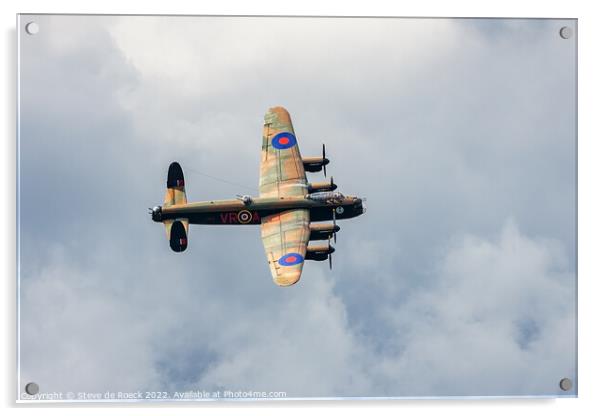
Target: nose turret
358	205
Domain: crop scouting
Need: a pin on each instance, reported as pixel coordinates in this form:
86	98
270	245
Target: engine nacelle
321	186
319	253
322	231
314	164
178	239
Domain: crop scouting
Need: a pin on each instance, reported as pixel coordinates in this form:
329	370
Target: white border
590	199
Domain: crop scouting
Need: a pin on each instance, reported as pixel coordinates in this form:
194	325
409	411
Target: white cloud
205	82
79	334
414	125
496	319
490	323
97	329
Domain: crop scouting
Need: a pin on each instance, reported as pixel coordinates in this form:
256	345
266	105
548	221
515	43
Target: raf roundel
283	141
290	259
244	217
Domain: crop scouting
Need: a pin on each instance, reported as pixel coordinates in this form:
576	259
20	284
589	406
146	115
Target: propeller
324	158
334	223
329	255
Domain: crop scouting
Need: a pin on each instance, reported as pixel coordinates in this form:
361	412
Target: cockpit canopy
326	196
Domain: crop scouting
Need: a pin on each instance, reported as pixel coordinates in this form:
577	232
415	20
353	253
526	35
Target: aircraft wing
285	236
281	171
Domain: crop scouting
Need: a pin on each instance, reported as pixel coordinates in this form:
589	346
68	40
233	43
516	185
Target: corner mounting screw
566	384
32	389
566	32
32	28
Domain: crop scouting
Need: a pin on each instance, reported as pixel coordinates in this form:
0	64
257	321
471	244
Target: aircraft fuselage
236	212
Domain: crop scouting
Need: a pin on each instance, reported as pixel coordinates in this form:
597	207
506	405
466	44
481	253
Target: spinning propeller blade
324	158
329	256
334	226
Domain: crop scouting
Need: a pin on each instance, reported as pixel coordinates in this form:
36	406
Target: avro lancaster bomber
288	208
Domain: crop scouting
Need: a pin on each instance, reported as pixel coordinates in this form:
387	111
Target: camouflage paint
281	171
285	233
282	207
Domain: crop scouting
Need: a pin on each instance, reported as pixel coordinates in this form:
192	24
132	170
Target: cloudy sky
459	280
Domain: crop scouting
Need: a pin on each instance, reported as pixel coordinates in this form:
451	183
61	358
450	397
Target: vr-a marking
240	217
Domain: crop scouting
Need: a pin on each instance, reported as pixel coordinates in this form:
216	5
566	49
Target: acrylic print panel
458	280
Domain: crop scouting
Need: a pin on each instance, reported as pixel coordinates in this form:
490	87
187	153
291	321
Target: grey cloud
449	130
489	295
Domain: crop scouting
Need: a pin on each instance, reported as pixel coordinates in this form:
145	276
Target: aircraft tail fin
175	193
177	230
177	234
